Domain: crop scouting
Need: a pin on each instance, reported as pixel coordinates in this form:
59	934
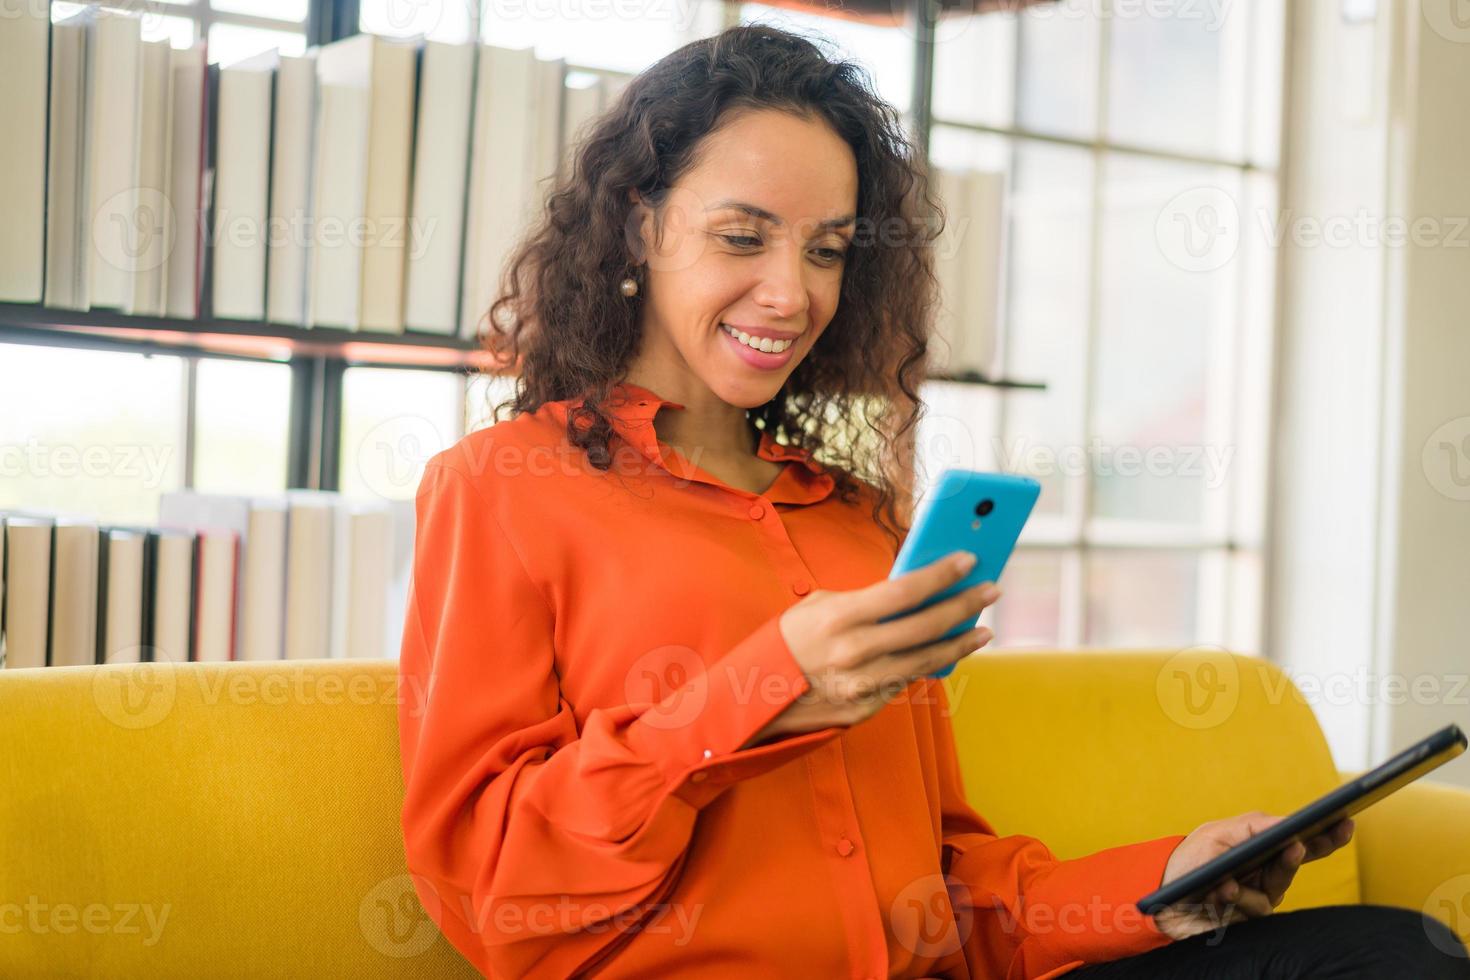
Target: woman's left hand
1256	893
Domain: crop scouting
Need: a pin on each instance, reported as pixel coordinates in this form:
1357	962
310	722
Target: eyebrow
759	212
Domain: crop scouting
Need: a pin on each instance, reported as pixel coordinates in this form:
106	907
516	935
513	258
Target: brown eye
741	241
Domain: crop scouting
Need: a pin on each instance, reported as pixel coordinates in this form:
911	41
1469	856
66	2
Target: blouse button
801	588
844	847
707	753
757	512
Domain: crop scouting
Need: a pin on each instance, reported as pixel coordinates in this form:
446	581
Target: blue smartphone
982	513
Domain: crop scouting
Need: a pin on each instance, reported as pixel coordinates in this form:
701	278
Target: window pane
238	450
392	422
178	31
89	432
624	37
1177	78
1047	323
482	394
975	69
957	429
229	43
448	22
886	52
1141	598
1057	77
1029	612
279	9
1166	289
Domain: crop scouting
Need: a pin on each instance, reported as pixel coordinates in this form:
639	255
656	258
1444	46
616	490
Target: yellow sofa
213	820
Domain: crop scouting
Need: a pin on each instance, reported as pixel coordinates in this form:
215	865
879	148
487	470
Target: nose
782	287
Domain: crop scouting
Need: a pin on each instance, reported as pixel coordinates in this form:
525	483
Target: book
154	228
262	630
241	133
182	272
171	612
111	229
290	188
24	78
216	593
27	590
440	179
385	205
309	558
74	592
120	577
513	147
68	189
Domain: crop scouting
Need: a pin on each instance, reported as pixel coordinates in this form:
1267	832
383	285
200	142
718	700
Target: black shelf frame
319	357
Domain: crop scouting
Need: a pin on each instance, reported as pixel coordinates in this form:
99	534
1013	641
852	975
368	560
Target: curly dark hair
560	324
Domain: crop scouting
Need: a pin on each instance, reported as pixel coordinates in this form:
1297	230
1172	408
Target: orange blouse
585	656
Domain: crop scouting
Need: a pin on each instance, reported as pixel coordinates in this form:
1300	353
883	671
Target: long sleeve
1022	912
536	845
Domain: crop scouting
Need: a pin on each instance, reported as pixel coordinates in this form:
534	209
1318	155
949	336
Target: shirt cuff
694	735
1100	890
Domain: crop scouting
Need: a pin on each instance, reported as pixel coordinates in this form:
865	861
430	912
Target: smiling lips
763	343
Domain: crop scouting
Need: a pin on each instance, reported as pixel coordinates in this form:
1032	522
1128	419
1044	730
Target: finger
1323	844
928	625
1253	902
925	660
1277	875
892	596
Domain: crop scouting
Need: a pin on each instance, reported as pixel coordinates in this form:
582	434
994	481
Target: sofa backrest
201	819
194	819
1087	749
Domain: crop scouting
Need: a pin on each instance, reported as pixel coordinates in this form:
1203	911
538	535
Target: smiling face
748	270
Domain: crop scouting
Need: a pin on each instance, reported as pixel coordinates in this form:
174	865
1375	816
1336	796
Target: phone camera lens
985	507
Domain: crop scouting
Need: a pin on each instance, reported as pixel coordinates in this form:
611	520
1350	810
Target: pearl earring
629	286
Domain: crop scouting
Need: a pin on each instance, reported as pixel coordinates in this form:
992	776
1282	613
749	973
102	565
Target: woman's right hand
856	664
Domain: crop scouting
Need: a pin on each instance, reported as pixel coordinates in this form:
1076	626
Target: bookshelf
107	330
319	356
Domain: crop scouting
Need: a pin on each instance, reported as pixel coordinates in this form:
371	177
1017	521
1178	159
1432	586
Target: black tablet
1310	820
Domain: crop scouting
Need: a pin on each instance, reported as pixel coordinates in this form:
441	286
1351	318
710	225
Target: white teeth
766	344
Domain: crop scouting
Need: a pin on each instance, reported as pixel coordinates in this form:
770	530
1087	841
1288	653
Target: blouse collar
631	409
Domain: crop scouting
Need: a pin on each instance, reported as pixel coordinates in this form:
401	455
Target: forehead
797	167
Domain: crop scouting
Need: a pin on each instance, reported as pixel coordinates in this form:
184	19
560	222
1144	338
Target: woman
654	726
